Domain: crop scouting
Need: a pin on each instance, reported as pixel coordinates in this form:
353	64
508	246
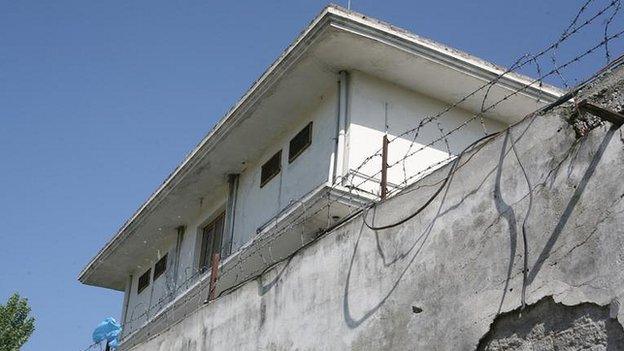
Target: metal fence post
214	272
384	167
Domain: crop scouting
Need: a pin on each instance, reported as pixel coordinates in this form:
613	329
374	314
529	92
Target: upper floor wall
378	107
255	206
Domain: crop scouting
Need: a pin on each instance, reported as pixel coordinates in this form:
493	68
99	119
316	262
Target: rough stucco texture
551	326
460	261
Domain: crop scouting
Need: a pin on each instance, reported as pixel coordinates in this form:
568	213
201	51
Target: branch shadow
476	190
506	211
448	209
565	216
353	322
265	288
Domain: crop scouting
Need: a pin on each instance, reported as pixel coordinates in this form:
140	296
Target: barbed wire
358	197
569	32
257	244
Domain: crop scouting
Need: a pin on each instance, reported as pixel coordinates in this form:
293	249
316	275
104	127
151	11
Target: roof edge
215	133
434	49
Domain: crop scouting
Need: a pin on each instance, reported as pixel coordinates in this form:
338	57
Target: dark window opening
271	168
160	267
211	242
300	142
144	281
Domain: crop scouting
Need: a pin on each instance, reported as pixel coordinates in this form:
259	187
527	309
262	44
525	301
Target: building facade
299	153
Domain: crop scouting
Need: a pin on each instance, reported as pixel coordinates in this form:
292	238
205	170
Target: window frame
147	274
208	238
158	272
265	181
304	147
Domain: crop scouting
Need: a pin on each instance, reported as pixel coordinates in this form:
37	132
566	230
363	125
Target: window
144	281
160	267
211	241
300	142
271	168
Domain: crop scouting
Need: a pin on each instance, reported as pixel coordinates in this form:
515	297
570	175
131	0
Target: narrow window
300	142
144	281
211	242
160	267
271	168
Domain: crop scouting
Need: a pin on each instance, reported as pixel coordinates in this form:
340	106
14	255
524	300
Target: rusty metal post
601	112
384	167
214	275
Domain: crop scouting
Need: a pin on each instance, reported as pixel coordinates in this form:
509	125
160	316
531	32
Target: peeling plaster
548	325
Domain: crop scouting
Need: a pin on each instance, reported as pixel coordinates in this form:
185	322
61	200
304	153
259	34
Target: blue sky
99	101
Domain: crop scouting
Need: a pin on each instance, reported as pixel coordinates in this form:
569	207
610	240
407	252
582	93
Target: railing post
214	272
384	168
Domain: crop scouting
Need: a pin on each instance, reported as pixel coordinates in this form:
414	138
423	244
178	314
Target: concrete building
299	140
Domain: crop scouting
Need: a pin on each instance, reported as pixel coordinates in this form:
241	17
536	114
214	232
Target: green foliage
15	324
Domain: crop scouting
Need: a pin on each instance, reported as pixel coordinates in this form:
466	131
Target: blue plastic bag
108	330
113	344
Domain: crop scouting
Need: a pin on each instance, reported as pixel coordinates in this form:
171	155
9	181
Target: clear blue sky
100	100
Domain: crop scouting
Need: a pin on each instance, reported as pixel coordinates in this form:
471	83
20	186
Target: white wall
256	205
139	303
189	259
405	109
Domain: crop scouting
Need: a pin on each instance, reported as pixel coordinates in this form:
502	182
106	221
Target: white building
288	160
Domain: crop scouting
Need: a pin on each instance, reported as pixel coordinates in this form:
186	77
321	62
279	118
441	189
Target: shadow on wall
354	322
413	250
504	210
265	288
507	212
565	216
547	325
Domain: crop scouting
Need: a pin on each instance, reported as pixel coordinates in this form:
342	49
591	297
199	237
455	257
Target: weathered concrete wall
458	264
551	326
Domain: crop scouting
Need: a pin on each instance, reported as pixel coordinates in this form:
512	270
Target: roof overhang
336	40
